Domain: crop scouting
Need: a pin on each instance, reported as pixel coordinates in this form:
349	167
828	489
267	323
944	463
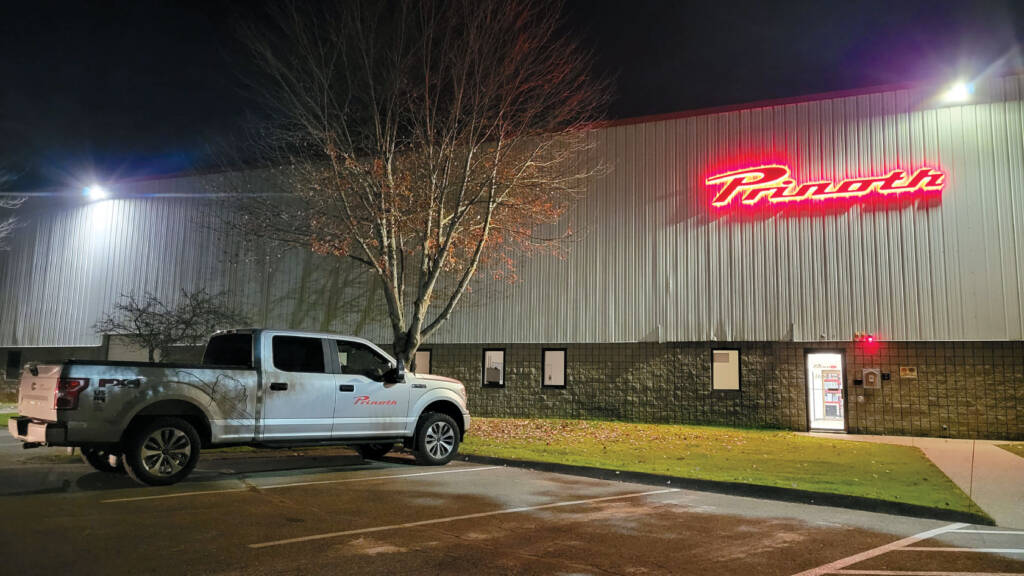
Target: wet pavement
336	514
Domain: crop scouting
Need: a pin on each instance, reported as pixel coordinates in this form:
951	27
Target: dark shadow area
59	478
285	462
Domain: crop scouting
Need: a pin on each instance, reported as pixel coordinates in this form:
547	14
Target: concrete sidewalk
991	476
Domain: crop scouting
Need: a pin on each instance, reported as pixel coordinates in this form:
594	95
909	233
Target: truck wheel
437	439
103	460
161	452
373	451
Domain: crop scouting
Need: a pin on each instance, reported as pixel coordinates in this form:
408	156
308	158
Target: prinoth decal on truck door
367	401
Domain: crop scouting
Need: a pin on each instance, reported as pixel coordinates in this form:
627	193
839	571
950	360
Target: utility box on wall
872	378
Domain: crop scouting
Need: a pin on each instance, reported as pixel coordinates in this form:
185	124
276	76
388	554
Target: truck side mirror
396	375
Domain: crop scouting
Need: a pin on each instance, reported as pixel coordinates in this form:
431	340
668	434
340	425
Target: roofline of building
191	173
644	119
787	100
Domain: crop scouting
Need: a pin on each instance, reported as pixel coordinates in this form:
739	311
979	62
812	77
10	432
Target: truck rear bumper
36	432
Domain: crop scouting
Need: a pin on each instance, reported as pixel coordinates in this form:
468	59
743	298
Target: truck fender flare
168	399
429	398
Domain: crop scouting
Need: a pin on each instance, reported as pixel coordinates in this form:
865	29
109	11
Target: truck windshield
229	350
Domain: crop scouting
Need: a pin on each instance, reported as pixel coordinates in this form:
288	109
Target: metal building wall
657	264
653	263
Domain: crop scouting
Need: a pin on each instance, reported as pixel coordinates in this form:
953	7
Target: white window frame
544	367
483	369
721	383
430	360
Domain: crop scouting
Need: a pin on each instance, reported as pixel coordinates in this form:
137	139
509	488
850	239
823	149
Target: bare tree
426	141
8	221
151	324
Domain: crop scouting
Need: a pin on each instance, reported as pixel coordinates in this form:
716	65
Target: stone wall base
961	389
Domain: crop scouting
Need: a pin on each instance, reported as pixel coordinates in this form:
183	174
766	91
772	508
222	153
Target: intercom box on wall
872	378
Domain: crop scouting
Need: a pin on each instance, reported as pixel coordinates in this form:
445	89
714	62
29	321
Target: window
423	361
494	367
725	369
121	349
553	373
298	354
229	350
357	358
13	364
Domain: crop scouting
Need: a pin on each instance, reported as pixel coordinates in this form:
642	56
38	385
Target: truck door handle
278	385
346	388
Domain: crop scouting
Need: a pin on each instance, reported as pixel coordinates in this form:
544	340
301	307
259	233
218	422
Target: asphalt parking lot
339	515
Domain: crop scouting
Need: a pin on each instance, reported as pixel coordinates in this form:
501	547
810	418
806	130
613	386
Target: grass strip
752	456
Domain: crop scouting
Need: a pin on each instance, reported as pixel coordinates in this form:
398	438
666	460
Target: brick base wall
962	390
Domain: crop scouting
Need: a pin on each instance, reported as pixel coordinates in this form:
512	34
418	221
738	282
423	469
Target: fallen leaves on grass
570	433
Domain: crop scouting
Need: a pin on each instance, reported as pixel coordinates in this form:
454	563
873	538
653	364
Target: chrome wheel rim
440	440
166	452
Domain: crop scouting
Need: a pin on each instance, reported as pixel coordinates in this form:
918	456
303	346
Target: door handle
346	388
278	385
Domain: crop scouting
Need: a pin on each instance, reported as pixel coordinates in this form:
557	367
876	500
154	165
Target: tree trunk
405	347
152	355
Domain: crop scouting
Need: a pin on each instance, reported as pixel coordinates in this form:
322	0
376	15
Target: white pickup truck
255	387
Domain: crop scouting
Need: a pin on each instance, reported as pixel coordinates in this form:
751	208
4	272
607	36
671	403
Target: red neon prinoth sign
772	184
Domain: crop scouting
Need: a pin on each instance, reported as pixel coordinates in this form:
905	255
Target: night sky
104	90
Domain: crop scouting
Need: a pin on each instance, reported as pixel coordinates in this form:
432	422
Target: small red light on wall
867	340
773	185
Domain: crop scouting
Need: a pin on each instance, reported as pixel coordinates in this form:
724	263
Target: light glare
959	92
96	192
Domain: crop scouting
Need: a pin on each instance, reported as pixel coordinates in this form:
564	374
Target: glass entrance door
825	402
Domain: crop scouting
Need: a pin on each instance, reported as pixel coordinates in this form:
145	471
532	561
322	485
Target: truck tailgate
35	392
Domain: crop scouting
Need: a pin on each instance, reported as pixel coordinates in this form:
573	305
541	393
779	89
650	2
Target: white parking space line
175	495
951	549
293	484
342	480
456	518
836	566
1018	532
921	573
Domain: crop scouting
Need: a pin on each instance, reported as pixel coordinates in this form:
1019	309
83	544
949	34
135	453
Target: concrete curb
748	490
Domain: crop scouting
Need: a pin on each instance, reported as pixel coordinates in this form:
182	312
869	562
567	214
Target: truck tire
161	452
437	439
373	451
100	459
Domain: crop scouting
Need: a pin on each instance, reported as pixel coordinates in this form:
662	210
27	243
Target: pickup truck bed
114	393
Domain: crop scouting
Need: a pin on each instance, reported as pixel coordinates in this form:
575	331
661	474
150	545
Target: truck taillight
65	396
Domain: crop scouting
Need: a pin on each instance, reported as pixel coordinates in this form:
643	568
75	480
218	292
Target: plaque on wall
908	372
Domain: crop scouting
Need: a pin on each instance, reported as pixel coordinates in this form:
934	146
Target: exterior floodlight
958	92
96	192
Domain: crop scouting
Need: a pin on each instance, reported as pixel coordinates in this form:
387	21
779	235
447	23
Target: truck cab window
356	358
229	350
298	354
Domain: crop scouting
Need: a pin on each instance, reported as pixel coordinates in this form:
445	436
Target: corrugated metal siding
656	265
651	262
